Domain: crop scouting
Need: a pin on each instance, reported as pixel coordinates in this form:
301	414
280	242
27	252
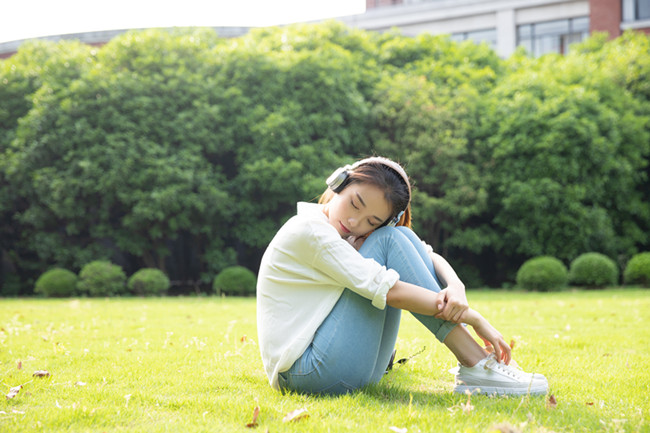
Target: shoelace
493	364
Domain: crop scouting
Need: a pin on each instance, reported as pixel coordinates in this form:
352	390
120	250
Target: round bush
235	280
148	281
543	273
56	282
101	278
593	270
637	270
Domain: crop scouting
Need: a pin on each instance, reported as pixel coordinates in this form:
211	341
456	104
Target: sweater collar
305	208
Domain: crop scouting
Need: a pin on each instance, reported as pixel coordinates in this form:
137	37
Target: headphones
337	181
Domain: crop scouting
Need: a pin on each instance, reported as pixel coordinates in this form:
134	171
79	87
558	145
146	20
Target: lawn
192	365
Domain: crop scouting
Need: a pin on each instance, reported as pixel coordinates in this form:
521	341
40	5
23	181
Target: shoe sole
492	390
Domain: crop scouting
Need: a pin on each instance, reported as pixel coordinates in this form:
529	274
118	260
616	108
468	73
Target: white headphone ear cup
337	178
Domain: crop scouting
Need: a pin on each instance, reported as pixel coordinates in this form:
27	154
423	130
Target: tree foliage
183	151
565	151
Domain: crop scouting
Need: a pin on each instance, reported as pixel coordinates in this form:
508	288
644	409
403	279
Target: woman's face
358	209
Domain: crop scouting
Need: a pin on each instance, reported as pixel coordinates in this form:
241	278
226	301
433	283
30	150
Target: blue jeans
353	345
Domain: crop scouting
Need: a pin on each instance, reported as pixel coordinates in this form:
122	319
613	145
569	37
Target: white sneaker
490	377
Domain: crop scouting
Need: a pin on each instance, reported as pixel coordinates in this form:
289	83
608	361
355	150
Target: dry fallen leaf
243	339
296	415
256	413
14	391
552	402
41	373
466	407
20	365
512	344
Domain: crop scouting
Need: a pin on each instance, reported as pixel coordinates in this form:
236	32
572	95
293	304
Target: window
636	10
488	36
552	36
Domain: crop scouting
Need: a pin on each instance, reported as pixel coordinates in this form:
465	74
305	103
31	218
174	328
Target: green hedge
102	278
593	270
637	270
235	280
148	281
543	273
56	282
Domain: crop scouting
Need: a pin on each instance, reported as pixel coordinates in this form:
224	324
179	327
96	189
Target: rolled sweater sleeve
343	264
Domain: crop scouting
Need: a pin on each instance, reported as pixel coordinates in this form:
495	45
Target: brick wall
605	16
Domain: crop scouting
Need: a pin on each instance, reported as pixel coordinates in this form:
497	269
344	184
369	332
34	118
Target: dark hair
396	192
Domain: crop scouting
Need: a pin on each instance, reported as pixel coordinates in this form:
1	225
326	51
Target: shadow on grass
396	389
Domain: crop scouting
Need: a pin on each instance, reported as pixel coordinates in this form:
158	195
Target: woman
333	282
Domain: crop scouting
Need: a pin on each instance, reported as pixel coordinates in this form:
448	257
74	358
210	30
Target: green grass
192	365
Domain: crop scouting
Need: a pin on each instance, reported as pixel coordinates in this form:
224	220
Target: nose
352	222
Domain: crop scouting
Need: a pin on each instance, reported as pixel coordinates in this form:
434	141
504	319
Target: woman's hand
455	303
489	335
356	242
492	337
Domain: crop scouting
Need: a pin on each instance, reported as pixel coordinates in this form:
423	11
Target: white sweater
303	273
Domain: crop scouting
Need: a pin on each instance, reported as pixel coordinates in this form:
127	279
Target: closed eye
354	205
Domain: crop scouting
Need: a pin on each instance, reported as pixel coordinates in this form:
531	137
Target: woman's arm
417	299
454	292
489	335
414	298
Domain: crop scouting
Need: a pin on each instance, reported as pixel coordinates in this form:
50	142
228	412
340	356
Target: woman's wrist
457	288
471	317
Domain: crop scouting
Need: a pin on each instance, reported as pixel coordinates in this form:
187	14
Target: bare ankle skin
466	350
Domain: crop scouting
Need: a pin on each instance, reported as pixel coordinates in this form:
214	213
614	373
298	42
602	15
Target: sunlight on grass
192	364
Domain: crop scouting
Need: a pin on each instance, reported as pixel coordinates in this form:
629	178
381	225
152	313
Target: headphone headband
390	164
336	181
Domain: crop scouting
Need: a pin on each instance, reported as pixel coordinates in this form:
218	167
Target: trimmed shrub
101	278
543	273
56	282
148	281
235	280
637	270
593	270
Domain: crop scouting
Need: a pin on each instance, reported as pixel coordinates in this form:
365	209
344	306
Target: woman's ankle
466	350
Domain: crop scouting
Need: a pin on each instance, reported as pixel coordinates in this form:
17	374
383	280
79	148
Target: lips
344	228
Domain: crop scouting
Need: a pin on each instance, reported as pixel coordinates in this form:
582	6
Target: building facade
99	38
540	26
